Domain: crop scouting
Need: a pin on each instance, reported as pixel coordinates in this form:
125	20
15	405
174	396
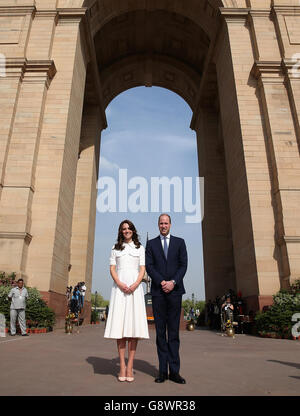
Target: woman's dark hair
120	240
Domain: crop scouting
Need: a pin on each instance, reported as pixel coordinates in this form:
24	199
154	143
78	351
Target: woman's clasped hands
127	289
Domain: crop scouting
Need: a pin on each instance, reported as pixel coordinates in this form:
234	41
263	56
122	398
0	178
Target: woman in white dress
127	318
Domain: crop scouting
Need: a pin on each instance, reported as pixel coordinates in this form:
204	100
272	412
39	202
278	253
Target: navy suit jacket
159	268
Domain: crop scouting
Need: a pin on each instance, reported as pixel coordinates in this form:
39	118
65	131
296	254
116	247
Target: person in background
216	315
68	293
18	296
79	295
82	290
75	301
228	308
209	313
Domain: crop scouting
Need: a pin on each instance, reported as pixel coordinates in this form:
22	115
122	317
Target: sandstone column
20	167
84	213
247	162
23	90
279	89
52	207
216	225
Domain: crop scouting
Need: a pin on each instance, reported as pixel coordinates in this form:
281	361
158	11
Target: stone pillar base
256	303
86	313
58	303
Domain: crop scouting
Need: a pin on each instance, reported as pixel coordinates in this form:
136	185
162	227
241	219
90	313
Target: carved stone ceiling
156	32
151	48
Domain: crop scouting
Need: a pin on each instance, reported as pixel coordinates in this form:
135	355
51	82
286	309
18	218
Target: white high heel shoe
122	378
130	379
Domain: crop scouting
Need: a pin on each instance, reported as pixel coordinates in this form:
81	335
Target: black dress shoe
25	335
161	378
177	378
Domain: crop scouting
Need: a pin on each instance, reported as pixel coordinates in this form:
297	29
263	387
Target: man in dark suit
166	264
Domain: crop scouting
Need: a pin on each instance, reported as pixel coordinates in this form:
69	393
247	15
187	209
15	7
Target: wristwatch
174	283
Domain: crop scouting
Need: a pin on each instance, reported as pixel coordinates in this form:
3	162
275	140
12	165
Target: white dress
127	312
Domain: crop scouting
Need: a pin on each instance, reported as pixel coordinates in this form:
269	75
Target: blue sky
148	134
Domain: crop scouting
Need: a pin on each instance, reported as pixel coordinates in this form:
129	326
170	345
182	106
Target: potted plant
69	322
276	320
190	326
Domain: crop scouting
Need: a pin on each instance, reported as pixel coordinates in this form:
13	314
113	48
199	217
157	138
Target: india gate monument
236	63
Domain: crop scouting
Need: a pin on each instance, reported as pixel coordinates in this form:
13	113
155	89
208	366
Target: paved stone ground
87	364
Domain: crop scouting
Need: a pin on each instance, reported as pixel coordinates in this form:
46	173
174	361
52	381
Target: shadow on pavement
296	365
106	366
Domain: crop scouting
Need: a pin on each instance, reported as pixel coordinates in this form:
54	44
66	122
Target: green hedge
37	311
278	318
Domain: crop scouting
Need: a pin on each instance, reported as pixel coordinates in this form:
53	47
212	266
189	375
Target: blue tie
165	247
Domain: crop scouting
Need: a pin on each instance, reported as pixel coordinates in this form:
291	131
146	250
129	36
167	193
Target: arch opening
148	138
165	48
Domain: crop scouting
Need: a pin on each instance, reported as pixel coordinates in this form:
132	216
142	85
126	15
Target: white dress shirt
162	239
18	297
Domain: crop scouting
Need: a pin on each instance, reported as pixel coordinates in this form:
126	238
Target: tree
187	304
100	301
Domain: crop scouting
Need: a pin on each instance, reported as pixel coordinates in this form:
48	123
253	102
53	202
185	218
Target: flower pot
230	332
190	326
68	328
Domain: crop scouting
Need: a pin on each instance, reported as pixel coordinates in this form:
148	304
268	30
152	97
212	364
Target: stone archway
232	63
